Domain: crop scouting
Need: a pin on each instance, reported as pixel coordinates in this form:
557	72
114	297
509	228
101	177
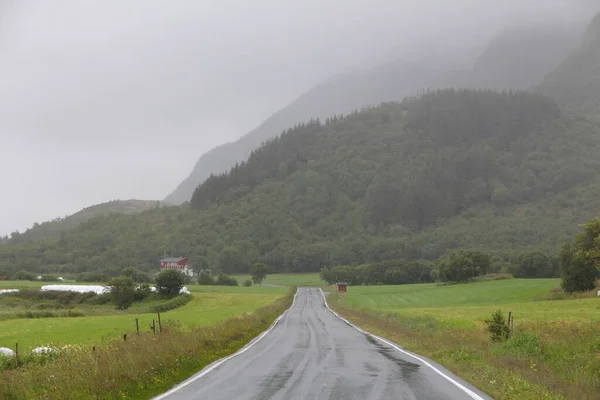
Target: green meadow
209	306
554	351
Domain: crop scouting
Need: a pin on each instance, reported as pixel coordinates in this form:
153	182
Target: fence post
509	323
124	337
154	326
17	353
159	324
137	326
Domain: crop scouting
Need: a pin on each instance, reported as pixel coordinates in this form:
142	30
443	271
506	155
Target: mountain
521	56
576	82
391	81
501	172
54	227
518	58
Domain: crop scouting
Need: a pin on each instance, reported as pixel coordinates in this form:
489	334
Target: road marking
465	389
221	361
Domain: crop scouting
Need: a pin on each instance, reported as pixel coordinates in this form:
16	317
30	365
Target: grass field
210	305
554	352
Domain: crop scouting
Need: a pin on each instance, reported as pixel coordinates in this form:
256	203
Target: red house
178	263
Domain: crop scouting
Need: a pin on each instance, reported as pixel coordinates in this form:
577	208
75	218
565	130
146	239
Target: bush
497	326
205	279
226	280
142	293
172	304
23	275
169	282
93	276
248	283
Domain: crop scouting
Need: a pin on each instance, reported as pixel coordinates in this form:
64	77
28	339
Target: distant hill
521	56
576	82
392	81
54	227
502	172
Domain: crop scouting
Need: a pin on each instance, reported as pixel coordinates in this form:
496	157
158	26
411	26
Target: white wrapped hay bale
6	352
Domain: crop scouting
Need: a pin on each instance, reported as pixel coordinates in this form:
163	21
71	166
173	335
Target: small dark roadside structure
342	286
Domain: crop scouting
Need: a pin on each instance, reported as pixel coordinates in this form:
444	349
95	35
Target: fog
103	100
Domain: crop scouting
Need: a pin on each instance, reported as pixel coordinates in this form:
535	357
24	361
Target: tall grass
141	366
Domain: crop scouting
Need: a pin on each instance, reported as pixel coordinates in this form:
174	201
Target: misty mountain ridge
521	56
504	172
518	58
575	84
339	95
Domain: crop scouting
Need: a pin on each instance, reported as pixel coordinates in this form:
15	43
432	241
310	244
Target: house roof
172	259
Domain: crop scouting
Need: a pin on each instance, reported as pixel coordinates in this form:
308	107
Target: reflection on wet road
312	354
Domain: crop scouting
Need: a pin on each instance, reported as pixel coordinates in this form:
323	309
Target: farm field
210	305
303	279
554	352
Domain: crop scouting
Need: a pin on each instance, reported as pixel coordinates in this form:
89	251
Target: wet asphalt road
312	354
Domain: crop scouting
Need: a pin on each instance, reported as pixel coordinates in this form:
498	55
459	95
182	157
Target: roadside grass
205	308
300	279
554	352
140	367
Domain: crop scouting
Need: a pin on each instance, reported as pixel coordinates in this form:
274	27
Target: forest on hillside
503	172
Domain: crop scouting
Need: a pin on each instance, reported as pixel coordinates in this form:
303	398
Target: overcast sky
117	99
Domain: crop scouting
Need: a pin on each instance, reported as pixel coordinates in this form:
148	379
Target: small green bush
248	283
226	280
205	279
497	326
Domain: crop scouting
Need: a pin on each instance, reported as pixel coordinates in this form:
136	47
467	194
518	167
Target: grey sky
107	99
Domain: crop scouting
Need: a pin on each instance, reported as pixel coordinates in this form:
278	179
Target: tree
578	274
169	282
464	265
122	291
259	272
579	261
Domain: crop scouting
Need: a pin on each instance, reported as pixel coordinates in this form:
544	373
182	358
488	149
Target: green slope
53	228
501	172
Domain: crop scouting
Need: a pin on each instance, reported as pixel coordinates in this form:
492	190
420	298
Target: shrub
226	280
142	292
248	283
497	326
23	275
205	279
92	276
169	282
172	304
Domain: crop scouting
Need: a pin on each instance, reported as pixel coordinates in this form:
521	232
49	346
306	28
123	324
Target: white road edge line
223	360
465	389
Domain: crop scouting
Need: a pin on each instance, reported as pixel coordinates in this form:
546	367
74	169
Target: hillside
500	172
342	94
576	82
54	227
521	56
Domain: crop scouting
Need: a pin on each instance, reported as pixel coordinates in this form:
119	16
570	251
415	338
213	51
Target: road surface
312	354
